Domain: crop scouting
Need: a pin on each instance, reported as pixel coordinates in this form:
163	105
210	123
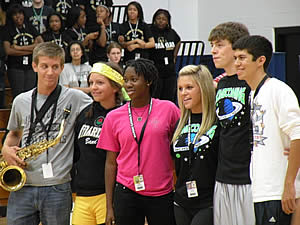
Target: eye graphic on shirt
99	121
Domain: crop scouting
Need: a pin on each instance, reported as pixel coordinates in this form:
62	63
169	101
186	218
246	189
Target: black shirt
89	179
90	10
22	37
165	43
38	17
233	112
77	34
63	7
62	39
24	3
203	164
100	53
142	32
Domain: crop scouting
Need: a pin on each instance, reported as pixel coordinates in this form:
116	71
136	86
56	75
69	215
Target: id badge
166	61
25	60
47	170
137	55
139	183
191	188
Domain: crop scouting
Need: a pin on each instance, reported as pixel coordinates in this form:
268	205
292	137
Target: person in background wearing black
167	44
105	82
55	31
76	20
90	10
37	15
24	3
19	41
108	32
63	7
135	35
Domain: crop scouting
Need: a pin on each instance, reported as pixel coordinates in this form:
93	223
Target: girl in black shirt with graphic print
195	147
76	20
55	31
135	35
108	32
167	44
19	41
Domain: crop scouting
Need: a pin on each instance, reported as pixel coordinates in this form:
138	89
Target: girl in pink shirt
138	172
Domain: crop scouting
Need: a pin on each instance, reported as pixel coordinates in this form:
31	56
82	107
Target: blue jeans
50	205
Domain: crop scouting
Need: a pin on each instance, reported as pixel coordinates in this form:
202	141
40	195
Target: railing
189	53
118	13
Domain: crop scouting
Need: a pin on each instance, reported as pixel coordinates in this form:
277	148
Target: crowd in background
125	152
25	23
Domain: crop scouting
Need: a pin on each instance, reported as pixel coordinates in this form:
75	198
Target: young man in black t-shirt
233	204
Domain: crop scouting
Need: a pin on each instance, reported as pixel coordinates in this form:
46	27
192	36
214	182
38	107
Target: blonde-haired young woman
195	147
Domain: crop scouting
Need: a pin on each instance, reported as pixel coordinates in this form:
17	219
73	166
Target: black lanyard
261	83
51	100
138	141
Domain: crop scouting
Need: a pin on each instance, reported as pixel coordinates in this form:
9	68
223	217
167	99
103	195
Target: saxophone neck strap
51	100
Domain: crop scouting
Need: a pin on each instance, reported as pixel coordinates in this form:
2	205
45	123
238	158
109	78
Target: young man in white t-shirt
275	115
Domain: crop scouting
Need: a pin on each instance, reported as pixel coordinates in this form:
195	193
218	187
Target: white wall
193	19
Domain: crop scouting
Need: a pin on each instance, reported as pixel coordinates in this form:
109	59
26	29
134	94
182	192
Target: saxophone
13	178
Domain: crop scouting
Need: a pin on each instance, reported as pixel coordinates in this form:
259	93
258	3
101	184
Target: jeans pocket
63	188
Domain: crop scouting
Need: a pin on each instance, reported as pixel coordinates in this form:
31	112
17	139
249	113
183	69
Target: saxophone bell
12	178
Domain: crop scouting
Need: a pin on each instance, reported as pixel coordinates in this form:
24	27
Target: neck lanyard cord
138	141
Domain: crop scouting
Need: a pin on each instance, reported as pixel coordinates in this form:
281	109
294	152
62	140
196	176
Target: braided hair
146	68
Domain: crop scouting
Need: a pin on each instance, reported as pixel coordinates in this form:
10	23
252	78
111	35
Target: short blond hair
49	49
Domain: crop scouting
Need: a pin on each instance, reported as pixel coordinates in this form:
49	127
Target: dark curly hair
84	57
13	10
146	68
48	29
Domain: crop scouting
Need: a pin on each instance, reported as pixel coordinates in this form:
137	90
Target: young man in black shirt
233	204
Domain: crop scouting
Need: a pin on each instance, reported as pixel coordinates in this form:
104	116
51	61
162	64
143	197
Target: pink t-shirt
155	158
